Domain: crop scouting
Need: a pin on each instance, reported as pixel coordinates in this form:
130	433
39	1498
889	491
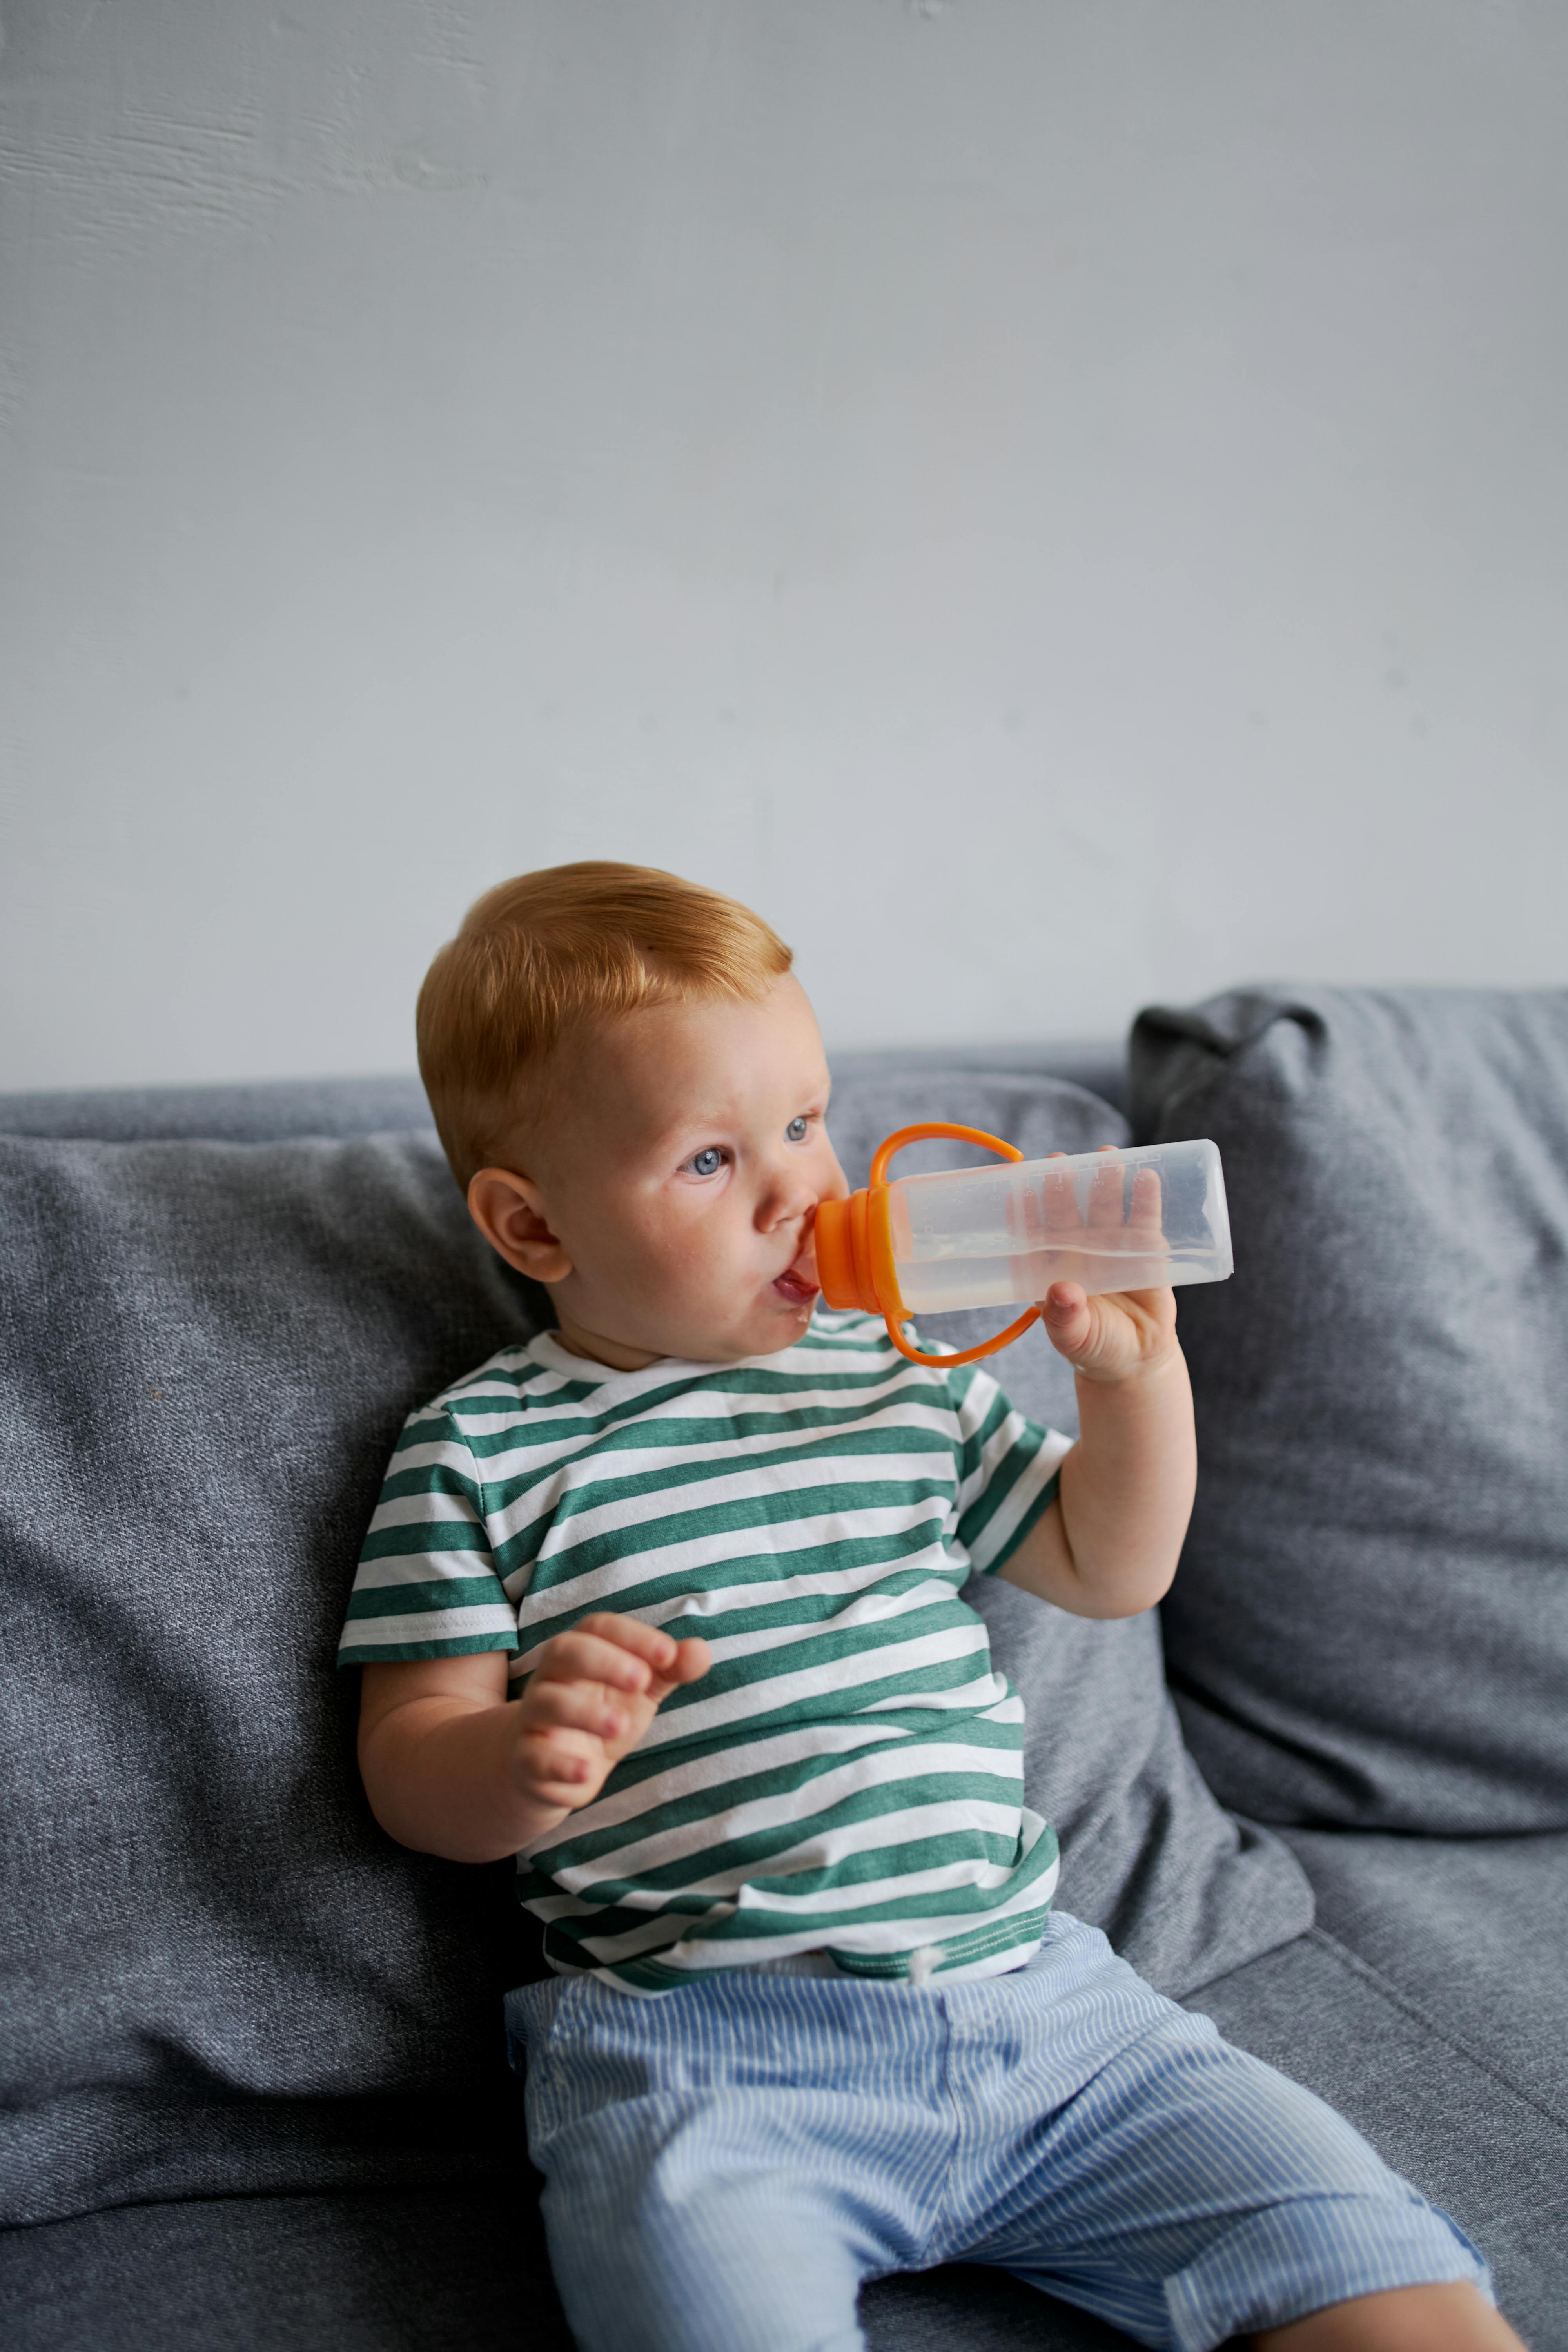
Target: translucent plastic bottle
1135	1220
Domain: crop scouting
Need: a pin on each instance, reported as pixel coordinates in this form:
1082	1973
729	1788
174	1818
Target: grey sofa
254	2085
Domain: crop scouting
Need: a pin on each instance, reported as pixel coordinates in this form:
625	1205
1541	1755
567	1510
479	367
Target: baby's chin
775	1327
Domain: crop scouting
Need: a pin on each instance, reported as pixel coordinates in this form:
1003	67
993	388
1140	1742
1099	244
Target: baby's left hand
1118	1331
1113	1334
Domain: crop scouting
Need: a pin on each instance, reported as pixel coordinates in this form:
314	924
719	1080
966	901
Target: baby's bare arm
1109	1545
451	1768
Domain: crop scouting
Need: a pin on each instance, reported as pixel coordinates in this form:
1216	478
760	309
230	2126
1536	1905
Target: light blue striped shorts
727	2164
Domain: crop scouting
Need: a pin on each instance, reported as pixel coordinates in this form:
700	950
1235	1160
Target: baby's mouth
798	1281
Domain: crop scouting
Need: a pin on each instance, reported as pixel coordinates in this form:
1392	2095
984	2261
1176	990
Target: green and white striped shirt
848	1775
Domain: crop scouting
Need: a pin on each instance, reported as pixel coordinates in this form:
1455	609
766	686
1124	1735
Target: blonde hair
541	958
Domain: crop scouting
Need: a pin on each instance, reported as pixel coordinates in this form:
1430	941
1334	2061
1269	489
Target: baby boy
814	2018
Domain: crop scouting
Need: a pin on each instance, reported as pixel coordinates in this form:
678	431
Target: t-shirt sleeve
1008	1468
426	1586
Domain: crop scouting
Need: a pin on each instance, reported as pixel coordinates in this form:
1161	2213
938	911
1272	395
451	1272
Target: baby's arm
1108	1546
450	1767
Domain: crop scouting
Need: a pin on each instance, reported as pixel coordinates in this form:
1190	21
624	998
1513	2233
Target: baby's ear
509	1210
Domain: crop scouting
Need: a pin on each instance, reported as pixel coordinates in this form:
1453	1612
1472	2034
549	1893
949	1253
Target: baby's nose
788	1199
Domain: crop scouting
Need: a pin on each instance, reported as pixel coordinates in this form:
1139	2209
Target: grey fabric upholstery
1099	1068
1471	1933
270	1112
426	2270
219	1974
265	1113
1370	1622
220	1977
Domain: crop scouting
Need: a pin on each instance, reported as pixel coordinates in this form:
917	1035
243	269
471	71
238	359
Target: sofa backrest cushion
1370	1624
208	1349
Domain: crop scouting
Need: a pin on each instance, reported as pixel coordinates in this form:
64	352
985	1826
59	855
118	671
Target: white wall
1059	502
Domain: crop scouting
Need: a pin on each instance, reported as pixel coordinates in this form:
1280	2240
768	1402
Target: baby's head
631	1090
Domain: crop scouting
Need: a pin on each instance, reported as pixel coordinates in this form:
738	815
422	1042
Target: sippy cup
1135	1220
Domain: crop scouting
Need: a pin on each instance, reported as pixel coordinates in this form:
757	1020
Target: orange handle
933	1129
879	1241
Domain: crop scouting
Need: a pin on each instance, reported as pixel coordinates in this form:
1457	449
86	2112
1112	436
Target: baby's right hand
589	1700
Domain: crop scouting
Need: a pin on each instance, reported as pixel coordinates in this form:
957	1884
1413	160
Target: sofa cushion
218	1974
271	1111
1370	1626
274	1109
1472	1933
425	2270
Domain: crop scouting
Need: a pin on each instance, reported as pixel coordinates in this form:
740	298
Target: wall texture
1057	501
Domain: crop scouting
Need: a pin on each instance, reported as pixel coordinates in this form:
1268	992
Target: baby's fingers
1068	1316
579	1706
586	1656
1146	1212
559	1767
1105	1190
1110	1336
691	1661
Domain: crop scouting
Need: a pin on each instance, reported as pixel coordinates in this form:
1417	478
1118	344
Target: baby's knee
677	2263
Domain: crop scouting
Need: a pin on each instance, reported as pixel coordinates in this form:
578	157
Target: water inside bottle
1133	1219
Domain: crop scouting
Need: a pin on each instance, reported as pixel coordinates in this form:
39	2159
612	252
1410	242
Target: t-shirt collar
547	1351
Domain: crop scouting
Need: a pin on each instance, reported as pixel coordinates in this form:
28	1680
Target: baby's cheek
682	1268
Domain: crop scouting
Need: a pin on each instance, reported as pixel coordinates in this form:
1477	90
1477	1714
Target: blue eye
796	1130
708	1163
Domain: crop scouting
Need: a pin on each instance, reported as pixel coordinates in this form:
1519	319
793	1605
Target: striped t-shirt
848	1777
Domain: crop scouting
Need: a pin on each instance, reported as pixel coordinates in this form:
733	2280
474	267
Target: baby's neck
596	1349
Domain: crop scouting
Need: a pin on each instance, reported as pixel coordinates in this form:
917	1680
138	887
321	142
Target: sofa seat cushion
1472	1933
427	2270
208	1950
1369	1625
